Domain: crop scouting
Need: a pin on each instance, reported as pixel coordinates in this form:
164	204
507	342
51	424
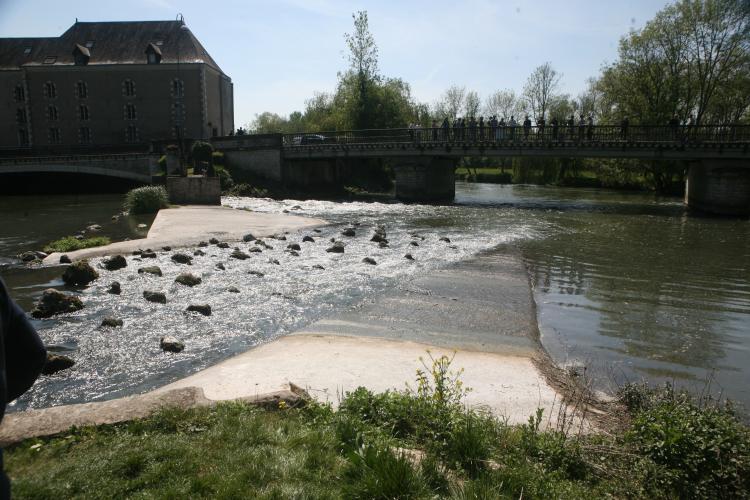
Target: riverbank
189	225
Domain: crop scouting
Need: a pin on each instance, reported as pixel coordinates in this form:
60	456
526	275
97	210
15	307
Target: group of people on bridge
494	129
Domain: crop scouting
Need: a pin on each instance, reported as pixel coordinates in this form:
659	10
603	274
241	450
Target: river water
630	285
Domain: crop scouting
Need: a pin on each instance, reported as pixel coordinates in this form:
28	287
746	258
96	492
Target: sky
278	53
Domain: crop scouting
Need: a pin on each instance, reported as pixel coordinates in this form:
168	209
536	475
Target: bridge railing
41	160
562	133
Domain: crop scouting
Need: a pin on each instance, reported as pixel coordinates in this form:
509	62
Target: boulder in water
114	288
187	279
220	267
111	322
171	344
56	363
338	247
157	297
115	262
445	239
349	231
239	254
318	266
233	289
203	244
248	237
155	270
256	273
199	253
408	256
309	239
148	254
54	302
203	309
369	260
182	258
294	246
64	259
79	274
223	244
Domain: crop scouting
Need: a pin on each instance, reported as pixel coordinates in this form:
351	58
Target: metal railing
563	134
41	160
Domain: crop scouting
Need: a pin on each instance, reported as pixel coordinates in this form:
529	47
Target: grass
70	243
675	447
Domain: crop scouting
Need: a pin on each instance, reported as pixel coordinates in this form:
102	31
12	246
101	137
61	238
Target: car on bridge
308	139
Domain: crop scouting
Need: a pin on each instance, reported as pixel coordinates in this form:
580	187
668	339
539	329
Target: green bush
201	151
70	243
225	179
701	447
243	189
146	200
218	157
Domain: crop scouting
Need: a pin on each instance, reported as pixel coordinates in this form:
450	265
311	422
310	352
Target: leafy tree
363	71
504	104
540	89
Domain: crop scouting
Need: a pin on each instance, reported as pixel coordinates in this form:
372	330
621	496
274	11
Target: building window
84	135
21	116
82	90
178	113
23	138
153	58
153	54
27	51
130	112
54	135
178	88
49	60
52	112
83	112
128	88
131	134
50	91
19	94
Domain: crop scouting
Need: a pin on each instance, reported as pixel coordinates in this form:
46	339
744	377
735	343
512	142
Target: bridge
424	160
136	167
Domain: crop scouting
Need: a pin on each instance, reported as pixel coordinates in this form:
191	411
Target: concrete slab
188	225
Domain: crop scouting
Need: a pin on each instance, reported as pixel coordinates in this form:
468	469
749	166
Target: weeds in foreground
420	443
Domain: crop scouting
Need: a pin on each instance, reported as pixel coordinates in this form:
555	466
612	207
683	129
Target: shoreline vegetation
421	442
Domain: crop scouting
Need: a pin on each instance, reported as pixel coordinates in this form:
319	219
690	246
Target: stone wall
194	190
425	179
719	187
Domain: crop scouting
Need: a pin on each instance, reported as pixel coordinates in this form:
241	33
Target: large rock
112	322
115	262
55	302
239	254
338	247
157	297
256	273
56	363
115	288
203	309
182	258
308	239
255	250
220	266
213	241
148	254
445	239
79	274
248	237
155	270
64	259
409	256
369	260
294	246
222	244
171	344
349	231
187	279
233	289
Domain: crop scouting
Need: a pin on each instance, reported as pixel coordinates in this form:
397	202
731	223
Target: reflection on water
629	283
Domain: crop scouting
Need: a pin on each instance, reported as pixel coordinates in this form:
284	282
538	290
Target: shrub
225	179
702	448
70	243
201	151
218	157
243	189
378	472
146	200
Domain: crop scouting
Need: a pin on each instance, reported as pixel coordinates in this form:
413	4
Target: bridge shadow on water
62	183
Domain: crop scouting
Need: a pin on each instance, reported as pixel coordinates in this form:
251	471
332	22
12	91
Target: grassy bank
418	444
71	243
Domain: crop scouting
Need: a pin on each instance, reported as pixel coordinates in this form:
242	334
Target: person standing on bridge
540	123
674	126
624	125
445	128
481	128
590	128
463	129
501	129
493	128
571	127
512	124
526	128
555	126
581	127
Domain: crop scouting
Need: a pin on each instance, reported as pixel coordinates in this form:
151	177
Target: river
630	285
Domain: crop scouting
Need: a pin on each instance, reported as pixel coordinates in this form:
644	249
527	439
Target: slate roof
113	43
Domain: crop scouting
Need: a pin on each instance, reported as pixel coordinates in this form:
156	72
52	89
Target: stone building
111	84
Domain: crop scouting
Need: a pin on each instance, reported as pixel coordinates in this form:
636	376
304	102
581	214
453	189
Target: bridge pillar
719	187
425	179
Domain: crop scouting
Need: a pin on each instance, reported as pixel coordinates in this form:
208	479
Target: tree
268	123
451	103
540	88
363	60
503	103
471	104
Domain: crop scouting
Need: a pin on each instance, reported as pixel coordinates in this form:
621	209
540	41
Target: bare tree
471	104
540	88
503	103
451	103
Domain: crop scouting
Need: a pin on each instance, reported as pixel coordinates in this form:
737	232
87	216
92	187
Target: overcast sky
278	53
